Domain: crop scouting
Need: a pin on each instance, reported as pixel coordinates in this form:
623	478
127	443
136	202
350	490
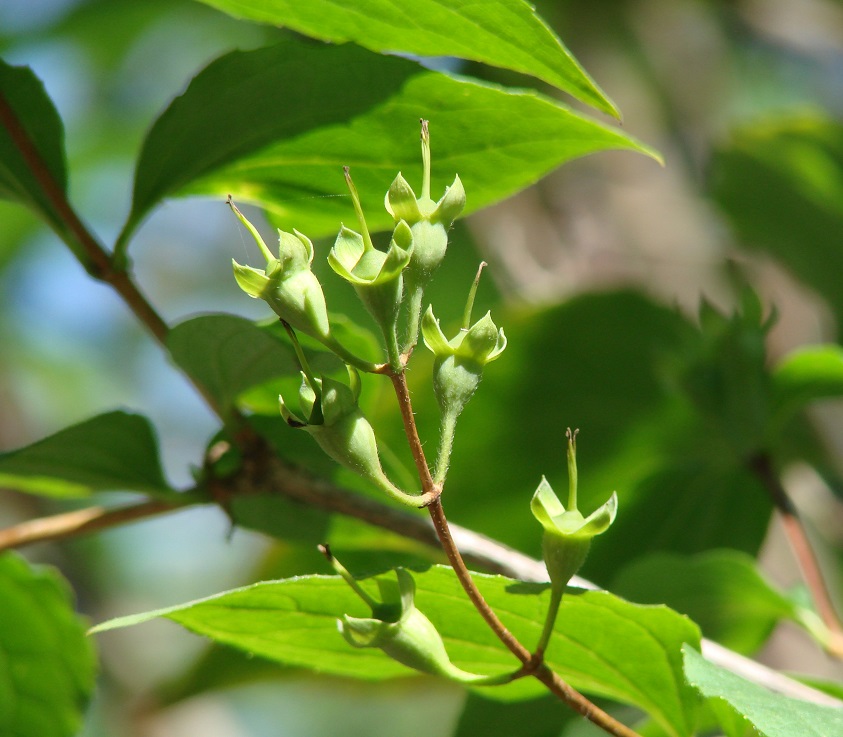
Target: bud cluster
390	284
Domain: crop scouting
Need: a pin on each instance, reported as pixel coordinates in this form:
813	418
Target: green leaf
686	506
771	714
276	125
780	182
273	515
808	374
722	591
603	645
30	115
227	355
114	451
502	33
47	665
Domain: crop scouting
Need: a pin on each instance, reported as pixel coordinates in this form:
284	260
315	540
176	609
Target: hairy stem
402	392
447	428
550	619
531	666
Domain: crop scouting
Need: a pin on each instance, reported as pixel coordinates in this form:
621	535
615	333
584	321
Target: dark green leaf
114	451
226	355
501	33
279	517
26	112
47	664
276	126
771	714
596	363
685	507
602	644
780	182
722	591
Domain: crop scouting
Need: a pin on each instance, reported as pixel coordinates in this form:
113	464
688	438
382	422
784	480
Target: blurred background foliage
622	287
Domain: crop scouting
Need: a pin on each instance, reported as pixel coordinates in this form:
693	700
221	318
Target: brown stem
551	680
90	253
555	684
762	466
402	392
78	522
440	524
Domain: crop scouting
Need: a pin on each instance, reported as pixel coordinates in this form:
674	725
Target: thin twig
93	256
88	250
762	466
78	522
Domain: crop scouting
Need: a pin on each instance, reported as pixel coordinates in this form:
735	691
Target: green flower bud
405	634
287	284
375	275
331	415
567	534
401	631
429	222
459	362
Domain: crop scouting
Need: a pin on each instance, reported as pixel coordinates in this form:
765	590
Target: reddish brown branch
402	393
551	680
762	467
87	249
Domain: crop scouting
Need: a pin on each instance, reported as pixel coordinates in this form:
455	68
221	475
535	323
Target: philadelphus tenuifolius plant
390	283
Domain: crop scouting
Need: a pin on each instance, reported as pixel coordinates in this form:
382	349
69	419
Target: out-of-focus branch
85	246
78	522
762	466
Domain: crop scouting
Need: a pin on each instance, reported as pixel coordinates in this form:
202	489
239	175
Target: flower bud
331	415
429	222
401	631
375	275
459	362
406	635
567	534
287	284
